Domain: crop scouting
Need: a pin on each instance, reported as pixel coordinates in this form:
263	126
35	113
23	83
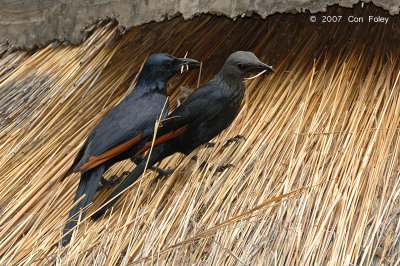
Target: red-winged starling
202	116
124	130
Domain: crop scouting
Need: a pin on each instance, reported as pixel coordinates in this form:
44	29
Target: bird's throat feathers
233	80
230	74
151	85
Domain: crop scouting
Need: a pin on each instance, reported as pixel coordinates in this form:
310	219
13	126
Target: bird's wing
77	158
124	126
202	104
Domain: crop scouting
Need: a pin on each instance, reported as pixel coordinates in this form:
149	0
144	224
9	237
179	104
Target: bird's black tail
130	179
88	185
157	155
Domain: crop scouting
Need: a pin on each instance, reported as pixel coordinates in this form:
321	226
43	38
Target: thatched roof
316	180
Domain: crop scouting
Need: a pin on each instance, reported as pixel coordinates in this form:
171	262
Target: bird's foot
209	144
136	159
221	168
203	164
234	139
163	172
114	180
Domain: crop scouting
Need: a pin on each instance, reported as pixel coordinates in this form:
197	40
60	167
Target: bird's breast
236	97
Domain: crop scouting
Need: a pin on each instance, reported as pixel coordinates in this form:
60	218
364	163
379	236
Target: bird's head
243	63
161	67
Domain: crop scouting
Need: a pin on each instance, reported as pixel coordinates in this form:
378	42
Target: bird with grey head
243	63
203	115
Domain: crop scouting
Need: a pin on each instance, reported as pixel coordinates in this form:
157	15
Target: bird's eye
241	66
168	64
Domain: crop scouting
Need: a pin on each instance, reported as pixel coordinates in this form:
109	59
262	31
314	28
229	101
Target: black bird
203	115
124	130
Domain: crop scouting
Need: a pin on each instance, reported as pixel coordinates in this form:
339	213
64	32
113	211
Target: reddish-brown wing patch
105	156
163	138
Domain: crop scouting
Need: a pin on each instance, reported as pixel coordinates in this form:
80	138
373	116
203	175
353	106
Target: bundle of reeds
316	180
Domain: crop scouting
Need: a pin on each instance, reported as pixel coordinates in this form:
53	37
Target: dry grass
316	181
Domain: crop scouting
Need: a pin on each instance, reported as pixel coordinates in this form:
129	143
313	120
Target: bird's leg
234	139
161	172
229	141
219	168
209	144
137	159
112	182
195	158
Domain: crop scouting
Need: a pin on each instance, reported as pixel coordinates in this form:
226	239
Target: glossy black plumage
203	115
124	130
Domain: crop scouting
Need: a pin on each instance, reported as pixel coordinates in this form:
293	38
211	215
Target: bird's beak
188	62
263	66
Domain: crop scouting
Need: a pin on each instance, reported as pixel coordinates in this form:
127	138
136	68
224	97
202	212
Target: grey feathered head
244	62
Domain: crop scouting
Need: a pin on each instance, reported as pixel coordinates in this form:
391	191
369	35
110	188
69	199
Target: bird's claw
164	172
209	144
203	164
136	159
234	139
221	168
114	180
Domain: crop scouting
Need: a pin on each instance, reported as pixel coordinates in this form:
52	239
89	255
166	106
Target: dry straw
315	182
